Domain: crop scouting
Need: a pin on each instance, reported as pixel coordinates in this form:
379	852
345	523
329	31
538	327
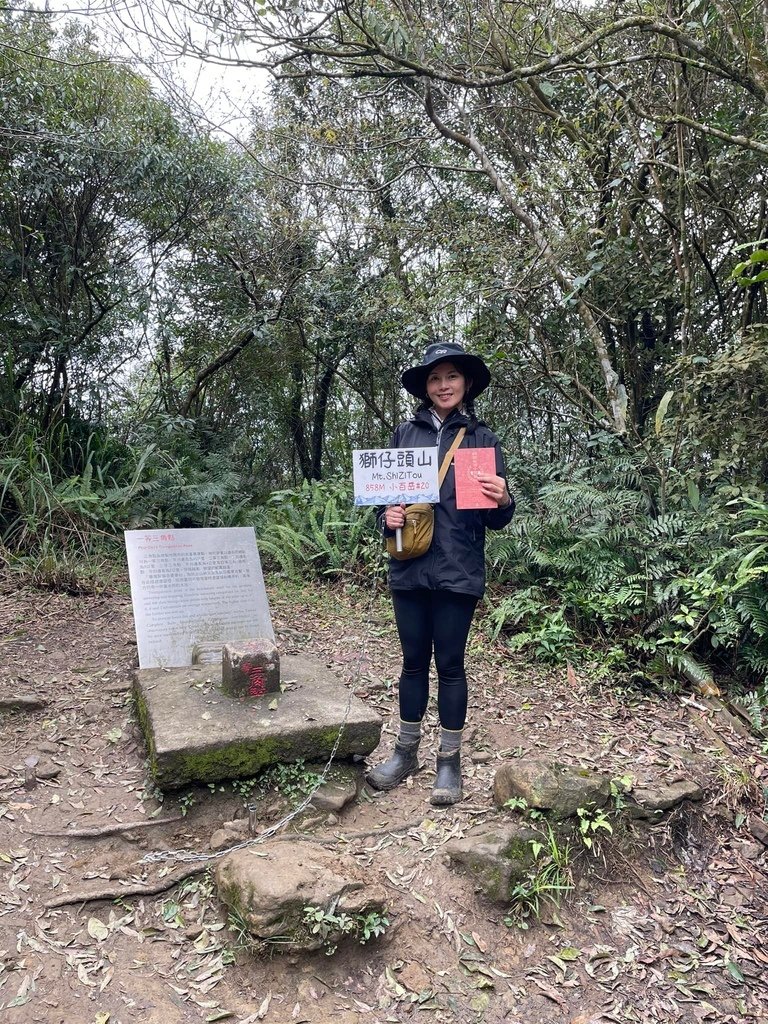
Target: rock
337	792
649	802
220	839
269	886
48	770
759	829
551	786
332	819
413	976
250	668
5	773
238	827
481	756
19	703
46	747
752	851
194	931
666	737
496	858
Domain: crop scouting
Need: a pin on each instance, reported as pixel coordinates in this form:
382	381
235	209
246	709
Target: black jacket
456	559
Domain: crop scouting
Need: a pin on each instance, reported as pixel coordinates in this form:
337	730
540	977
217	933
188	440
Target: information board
194	586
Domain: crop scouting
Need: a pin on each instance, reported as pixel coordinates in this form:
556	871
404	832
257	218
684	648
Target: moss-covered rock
551	786
196	733
497	858
270	887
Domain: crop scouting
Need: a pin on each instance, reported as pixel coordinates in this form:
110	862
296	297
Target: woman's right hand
394	517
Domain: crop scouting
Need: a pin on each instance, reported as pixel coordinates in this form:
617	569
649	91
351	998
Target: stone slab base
196	733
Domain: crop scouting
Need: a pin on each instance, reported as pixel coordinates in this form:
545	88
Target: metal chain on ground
189	856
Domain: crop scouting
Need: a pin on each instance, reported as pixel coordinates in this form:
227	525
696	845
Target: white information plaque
388	476
194	586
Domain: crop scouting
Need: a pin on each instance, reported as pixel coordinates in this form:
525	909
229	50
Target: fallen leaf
550	993
734	971
262	1010
83	976
97	929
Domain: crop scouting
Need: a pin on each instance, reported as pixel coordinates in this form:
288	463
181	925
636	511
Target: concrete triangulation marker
197	733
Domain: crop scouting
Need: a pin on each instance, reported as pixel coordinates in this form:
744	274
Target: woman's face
446	387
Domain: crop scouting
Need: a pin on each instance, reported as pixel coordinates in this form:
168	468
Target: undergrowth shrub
315	530
594	568
65	498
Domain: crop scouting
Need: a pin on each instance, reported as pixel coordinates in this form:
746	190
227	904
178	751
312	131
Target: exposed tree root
134	889
105	830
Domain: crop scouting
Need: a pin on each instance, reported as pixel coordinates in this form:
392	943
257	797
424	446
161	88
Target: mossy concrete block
196	733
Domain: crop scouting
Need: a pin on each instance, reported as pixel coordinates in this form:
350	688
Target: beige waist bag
420	518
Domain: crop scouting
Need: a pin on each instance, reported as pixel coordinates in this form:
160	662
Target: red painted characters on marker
257	683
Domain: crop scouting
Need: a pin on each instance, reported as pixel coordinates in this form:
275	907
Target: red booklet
467	463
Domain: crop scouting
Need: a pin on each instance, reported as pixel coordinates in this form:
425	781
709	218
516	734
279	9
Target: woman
435	595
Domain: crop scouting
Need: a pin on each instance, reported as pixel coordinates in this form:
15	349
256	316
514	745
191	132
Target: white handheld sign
391	476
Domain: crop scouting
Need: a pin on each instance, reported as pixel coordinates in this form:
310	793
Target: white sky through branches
218	93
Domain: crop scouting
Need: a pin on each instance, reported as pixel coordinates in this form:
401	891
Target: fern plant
315	529
590	565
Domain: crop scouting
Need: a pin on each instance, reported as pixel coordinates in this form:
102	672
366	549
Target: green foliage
755	704
619	787
549	879
519	803
63	496
331	927
591	822
243	940
316	530
293	781
185	802
678	593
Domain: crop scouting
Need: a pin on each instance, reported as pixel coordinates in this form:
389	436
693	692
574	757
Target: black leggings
436	620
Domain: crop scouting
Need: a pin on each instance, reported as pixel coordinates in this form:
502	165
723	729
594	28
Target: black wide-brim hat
414	380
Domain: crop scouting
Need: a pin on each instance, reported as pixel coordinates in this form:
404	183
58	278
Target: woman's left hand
495	488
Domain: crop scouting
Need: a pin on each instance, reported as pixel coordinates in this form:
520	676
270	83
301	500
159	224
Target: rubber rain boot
447	788
403	762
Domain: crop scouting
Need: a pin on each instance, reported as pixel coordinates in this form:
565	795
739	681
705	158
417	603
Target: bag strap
449	455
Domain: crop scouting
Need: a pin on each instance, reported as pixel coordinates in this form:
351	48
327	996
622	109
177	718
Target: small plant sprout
519	803
620	786
549	878
244	787
330	927
185	803
293	781
591	821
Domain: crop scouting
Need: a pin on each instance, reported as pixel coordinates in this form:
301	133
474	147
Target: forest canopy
198	332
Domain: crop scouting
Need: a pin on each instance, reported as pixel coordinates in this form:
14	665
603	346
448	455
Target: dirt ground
667	922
